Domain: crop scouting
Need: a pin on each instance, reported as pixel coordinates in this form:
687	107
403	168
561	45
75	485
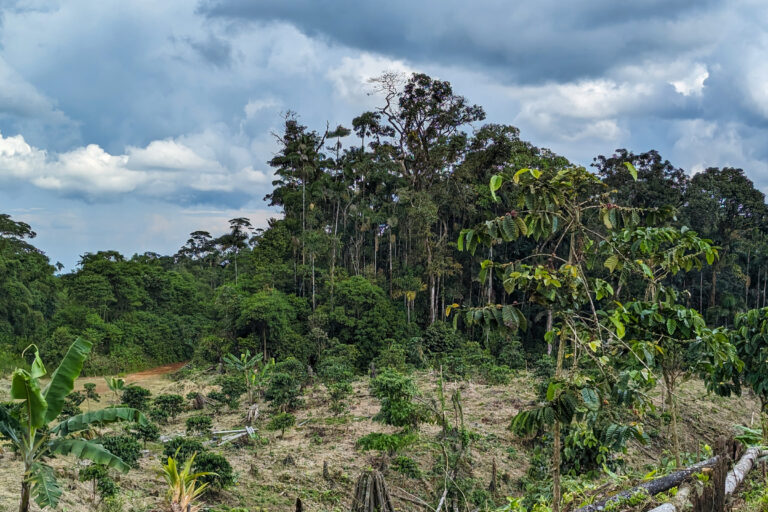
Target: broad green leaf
460	242
611	262
496	182
110	415
631	169
536	173
94	452
710	257
671	325
45	488
63	379
591	399
24	387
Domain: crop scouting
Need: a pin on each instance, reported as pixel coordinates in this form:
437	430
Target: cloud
162	169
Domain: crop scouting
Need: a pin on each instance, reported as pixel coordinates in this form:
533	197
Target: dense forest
418	237
365	253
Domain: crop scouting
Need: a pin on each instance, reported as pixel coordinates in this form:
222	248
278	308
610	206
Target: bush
216	400
283	392
338	393
292	367
389	443
186	447
103	483
281	422
200	424
395	393
440	338
72	404
173	405
338	363
125	447
495	375
511	353
159	415
146	433
136	397
407	466
393	357
222	476
233	388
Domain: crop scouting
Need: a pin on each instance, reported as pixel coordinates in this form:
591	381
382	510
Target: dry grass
273	475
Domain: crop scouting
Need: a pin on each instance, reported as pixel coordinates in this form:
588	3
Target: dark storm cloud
528	42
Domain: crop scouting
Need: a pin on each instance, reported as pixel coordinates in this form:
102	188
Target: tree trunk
652	487
670	383
556	494
24	502
264	342
712	292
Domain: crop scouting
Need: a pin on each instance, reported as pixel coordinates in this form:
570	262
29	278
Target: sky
127	125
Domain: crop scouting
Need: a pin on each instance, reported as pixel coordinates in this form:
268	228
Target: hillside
272	471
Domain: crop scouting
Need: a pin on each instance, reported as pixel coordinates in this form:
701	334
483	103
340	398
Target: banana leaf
63	379
110	415
83	449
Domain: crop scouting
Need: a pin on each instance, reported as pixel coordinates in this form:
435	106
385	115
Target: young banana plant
31	425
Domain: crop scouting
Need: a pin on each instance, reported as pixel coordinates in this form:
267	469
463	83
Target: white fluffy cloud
162	167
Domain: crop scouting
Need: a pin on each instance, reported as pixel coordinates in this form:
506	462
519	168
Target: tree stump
371	493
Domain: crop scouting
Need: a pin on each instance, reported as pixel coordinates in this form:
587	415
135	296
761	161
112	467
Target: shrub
173	405
495	375
395	393
222	475
186	447
283	392
282	422
407	466
72	404
125	447
216	400
389	443
199	423
159	415
393	357
233	388
338	363
136	397
292	367
103	485
440	338
145	433
339	392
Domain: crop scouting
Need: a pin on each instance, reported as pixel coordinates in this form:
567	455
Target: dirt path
151	375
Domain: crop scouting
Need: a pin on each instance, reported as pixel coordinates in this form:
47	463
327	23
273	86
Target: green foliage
339	392
136	397
199	424
283	392
182	448
233	387
389	443
407	466
147	432
281	421
35	440
99	475
396	392
173	405
124	447
220	474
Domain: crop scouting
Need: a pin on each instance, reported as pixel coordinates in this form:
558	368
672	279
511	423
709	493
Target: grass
268	481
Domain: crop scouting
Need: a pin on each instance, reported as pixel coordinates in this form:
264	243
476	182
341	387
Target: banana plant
31	425
183	491
115	385
247	365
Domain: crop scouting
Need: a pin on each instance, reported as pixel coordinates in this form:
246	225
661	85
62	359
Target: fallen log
652	487
734	478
